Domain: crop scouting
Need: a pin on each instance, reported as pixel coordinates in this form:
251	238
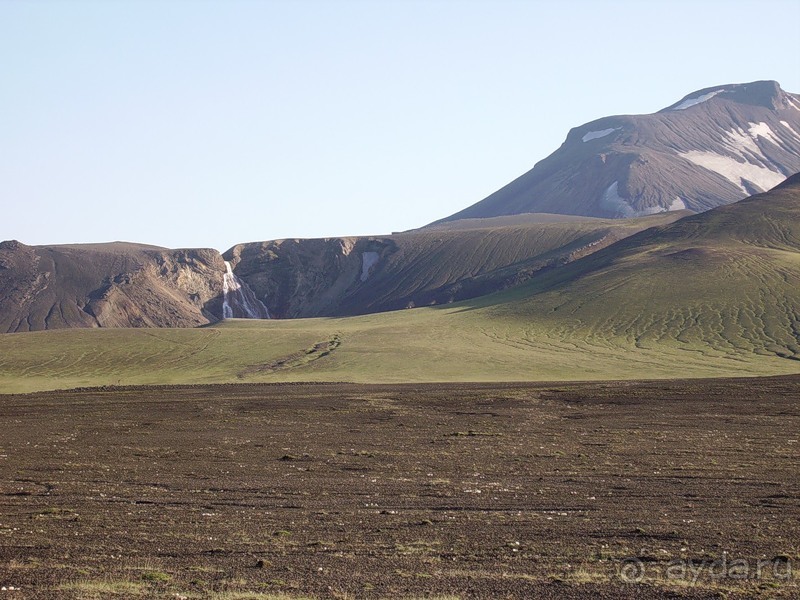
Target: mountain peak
757	93
11	245
715	146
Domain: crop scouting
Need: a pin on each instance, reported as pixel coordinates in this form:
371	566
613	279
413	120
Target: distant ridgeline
610	180
129	285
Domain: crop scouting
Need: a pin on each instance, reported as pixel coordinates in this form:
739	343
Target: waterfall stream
238	300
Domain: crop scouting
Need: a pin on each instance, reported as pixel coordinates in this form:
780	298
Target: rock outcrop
107	285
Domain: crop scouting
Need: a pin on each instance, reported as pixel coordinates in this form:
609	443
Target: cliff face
107	285
181	288
348	276
312	277
128	285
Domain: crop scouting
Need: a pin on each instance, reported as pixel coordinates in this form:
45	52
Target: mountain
107	285
713	147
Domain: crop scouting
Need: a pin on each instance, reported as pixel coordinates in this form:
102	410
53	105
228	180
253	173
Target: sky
192	123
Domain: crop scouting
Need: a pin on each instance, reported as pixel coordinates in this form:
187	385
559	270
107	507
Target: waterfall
238	300
368	260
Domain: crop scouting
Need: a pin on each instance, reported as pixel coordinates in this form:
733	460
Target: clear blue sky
207	123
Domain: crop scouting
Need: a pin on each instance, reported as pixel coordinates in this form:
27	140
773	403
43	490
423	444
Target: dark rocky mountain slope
107	285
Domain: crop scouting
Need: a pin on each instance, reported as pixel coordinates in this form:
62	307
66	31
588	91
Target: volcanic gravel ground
406	491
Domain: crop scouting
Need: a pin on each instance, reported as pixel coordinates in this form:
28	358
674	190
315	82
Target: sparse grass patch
104	588
426	598
156	577
230	595
56	512
582	575
417	547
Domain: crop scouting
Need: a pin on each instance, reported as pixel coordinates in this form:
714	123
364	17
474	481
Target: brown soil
346	491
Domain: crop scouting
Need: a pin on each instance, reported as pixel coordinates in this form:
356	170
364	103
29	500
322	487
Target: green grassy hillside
430	344
716	294
726	281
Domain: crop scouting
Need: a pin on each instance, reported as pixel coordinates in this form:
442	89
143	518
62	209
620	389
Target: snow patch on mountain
735	171
677	204
742	143
593	135
689	102
790	128
615	203
763	130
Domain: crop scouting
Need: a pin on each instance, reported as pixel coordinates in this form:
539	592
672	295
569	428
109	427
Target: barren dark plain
679	489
